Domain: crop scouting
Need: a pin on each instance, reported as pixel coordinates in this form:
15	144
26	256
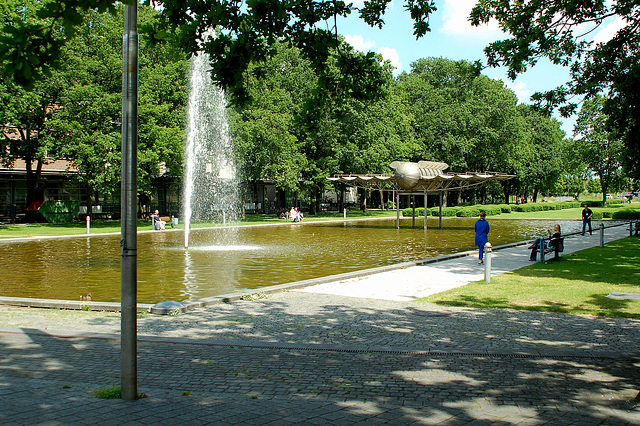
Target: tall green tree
248	33
264	133
25	115
559	31
600	149
75	113
460	116
539	152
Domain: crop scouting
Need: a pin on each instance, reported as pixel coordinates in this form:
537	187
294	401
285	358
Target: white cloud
388	53
359	43
521	90
456	20
609	31
392	56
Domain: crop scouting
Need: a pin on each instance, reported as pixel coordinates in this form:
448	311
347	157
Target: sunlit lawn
577	283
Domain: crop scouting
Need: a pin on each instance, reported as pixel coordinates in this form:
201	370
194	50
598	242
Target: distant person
482	235
158	224
554	238
294	214
586	219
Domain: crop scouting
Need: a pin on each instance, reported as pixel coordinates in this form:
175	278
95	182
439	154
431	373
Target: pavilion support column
413	211
397	209
440	211
425	210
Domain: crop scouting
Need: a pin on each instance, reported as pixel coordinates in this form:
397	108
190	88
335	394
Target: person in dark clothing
586	219
554	238
482	231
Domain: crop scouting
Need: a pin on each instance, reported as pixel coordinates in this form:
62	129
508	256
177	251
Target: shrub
569	204
597	215
447	211
468	212
627	213
504	208
408	212
591	203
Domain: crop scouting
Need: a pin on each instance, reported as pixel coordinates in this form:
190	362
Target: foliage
247	33
76	113
558	30
601	151
408	212
626	213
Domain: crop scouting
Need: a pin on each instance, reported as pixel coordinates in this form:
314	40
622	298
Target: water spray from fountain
210	185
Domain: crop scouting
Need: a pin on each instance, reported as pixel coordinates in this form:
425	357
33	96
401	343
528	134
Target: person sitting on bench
554	238
158	224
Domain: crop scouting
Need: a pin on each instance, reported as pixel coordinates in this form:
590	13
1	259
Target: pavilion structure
421	178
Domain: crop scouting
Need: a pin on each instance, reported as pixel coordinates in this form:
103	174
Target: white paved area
420	281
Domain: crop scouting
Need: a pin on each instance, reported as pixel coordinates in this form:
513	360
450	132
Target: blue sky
452	37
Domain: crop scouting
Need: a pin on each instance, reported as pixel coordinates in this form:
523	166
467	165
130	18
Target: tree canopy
247	32
559	30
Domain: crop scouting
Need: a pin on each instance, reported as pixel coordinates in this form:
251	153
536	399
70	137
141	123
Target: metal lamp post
129	207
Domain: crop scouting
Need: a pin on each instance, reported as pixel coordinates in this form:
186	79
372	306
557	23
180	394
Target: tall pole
129	210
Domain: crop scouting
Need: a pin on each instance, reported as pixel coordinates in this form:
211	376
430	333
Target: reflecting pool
223	260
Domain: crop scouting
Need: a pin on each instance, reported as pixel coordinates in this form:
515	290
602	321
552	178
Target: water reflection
222	260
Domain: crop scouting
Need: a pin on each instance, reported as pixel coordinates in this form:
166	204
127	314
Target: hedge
626	213
408	212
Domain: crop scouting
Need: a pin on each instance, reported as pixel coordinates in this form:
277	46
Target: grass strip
577	283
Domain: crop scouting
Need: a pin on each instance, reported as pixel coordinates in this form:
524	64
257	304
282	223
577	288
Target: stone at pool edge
168	307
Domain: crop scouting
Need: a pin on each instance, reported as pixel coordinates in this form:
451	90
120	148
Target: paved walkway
321	355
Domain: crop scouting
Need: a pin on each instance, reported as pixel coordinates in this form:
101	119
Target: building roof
52	168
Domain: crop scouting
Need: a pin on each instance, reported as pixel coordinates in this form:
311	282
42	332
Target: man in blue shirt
482	232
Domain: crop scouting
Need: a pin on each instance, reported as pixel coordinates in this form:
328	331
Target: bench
166	219
556	245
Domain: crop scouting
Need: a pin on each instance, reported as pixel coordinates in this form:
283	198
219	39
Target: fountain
210	187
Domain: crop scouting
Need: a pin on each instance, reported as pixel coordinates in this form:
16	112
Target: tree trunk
312	204
363	201
90	200
33	180
382	205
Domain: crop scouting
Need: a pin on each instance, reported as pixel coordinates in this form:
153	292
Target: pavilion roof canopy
421	176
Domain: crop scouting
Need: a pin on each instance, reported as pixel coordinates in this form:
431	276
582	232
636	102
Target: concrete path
321	355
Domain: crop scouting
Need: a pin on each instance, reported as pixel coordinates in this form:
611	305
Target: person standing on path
586	219
482	235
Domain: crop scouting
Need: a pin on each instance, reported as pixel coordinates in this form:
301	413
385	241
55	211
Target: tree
26	132
558	30
539	151
247	33
264	131
600	150
462	117
75	113
25	115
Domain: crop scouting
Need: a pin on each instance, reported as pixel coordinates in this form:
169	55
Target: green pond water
223	260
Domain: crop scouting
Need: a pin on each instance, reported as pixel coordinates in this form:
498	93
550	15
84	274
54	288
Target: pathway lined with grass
576	283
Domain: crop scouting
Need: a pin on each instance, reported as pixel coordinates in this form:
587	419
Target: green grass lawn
577	283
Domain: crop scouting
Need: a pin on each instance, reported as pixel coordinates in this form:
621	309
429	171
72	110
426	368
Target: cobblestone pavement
307	358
